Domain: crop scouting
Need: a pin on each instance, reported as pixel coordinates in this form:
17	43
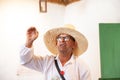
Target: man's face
65	43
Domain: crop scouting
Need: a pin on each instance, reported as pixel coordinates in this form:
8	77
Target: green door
110	50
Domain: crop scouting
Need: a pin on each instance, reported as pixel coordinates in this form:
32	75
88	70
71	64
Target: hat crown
70	26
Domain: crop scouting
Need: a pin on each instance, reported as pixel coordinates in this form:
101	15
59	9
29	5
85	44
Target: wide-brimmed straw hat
50	39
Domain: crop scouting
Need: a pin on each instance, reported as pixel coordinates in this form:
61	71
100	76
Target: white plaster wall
17	15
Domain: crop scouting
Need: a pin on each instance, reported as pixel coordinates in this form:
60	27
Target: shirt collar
70	61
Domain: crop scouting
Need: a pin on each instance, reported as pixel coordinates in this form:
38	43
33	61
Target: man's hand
32	35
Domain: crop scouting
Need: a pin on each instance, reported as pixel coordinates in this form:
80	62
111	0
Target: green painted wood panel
110	50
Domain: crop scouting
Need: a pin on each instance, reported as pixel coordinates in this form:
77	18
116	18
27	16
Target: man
66	44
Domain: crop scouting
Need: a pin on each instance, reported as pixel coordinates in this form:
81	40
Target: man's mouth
62	45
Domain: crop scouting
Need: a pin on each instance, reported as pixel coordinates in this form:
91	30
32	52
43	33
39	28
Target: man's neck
64	58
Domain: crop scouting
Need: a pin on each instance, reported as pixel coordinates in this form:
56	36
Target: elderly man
66	45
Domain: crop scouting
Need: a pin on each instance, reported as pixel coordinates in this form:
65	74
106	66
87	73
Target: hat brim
50	40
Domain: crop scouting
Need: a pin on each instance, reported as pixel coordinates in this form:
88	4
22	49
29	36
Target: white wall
17	15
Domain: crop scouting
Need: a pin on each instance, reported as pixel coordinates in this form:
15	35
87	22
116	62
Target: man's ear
75	45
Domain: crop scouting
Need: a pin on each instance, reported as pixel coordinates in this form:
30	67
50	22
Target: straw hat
50	39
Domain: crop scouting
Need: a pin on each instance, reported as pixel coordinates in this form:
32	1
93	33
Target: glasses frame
66	38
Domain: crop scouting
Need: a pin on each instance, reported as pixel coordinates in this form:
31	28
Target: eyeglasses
66	38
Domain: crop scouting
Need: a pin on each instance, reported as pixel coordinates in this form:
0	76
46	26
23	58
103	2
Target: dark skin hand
32	35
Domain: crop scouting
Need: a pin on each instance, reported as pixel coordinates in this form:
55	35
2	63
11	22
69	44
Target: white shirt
75	69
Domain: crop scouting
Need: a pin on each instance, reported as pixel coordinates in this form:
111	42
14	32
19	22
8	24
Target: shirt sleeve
25	54
28	59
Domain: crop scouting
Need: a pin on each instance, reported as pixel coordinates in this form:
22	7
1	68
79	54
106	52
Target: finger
31	29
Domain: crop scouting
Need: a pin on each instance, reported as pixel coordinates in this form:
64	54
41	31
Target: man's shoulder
81	63
49	58
80	60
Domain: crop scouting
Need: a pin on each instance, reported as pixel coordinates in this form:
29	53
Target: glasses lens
59	39
67	38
